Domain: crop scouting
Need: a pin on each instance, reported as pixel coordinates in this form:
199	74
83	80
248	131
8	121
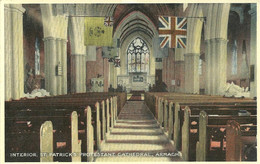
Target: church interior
141	94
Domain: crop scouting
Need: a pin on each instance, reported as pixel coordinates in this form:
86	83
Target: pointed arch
138	54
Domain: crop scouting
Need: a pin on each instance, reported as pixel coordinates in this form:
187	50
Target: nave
137	136
108	127
76	76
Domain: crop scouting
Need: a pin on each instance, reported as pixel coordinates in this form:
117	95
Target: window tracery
138	56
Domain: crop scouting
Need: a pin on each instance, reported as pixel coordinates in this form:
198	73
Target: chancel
130	82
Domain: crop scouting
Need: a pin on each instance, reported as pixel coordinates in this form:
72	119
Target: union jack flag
172	32
108	21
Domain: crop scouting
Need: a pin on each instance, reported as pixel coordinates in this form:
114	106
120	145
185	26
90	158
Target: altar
136	81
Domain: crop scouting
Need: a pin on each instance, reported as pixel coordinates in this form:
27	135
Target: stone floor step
136	159
137	122
137	133
137	130
136	127
133	147
137	137
158	142
155	125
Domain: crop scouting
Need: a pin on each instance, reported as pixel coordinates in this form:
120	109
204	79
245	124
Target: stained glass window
37	57
234	58
200	67
138	56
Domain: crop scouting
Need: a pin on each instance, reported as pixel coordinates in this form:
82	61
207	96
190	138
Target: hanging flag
111	60
98	31
91	53
159	52
109	21
117	62
107	52
172	32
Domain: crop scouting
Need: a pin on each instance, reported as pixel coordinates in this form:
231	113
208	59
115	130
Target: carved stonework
37	93
232	90
97	85
32	81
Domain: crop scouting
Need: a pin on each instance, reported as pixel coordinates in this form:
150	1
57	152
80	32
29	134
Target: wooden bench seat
212	128
29	114
168	108
27	139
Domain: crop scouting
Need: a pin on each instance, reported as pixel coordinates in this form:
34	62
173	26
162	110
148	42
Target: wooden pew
208	125
55	101
61	104
152	98
172	120
121	97
164	112
42	140
237	139
189	129
213	109
46	142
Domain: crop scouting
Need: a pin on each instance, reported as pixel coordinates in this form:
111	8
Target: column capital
252	11
79	55
58	39
179	62
63	40
207	41
48	38
15	7
191	54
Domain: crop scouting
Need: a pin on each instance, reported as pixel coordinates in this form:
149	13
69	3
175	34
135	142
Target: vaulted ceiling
118	11
128	18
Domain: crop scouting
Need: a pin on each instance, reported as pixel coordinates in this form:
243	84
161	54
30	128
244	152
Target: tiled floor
136	137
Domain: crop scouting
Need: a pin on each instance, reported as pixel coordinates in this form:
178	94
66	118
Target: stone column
191	61
253	82
50	65
216	62
78	64
216	47
123	62
208	67
64	65
179	70
221	66
111	74
14	66
59	61
8	53
78	54
117	69
55	50
152	65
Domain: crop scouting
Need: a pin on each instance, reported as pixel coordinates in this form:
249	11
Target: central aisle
136	136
